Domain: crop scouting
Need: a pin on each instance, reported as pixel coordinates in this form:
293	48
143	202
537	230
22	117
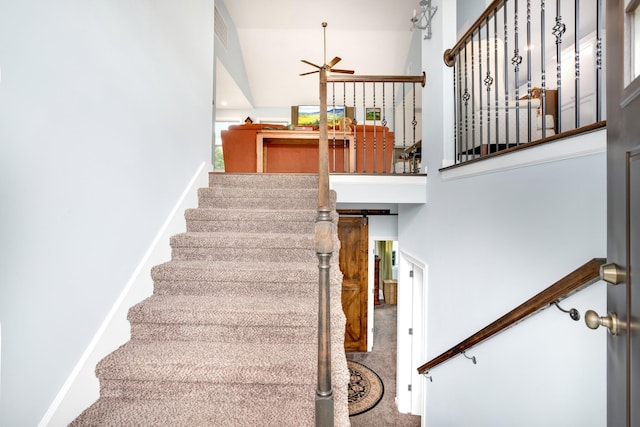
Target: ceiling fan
326	66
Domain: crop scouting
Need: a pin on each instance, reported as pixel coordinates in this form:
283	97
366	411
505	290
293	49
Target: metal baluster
355	126
404	129
473	96
529	137
333	125
577	61
543	77
506	74
414	122
466	97
558	30
375	139
384	131
481	133
364	130
516	61
488	81
344	130
599	61
393	102
457	105
495	66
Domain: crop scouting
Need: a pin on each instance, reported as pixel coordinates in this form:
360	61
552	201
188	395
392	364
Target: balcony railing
524	73
385	117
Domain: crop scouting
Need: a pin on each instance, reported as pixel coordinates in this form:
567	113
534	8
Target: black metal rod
506	73
517	59
543	76
480	118
497	79
466	101
599	61
456	109
364	127
473	94
529	118
577	61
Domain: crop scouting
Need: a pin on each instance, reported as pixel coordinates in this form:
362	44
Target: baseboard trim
81	388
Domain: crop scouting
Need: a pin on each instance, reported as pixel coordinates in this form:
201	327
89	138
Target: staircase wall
82	387
105	116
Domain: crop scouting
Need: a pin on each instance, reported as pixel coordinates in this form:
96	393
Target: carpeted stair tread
239	311
239	214
246	287
264	180
281	334
282	193
178	413
258	272
228	392
243	240
225	246
207	199
251	220
215	362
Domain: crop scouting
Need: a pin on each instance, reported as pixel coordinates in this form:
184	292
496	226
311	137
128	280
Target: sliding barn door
354	242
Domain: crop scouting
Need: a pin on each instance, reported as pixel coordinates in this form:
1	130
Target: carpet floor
229	336
383	361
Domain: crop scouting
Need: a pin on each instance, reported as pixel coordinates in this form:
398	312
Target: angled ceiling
371	37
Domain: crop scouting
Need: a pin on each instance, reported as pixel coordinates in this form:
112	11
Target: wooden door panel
353	233
351	307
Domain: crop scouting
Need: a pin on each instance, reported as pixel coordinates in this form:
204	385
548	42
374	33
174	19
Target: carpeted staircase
229	336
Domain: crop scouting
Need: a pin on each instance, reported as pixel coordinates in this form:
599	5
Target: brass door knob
611	322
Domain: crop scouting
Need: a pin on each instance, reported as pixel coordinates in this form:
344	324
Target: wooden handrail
350	78
577	280
449	54
526	145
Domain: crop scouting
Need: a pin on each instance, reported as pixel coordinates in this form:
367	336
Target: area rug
365	388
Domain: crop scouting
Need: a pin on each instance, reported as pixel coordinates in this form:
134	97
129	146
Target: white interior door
411	327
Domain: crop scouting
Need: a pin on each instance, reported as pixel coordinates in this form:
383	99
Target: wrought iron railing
512	86
383	119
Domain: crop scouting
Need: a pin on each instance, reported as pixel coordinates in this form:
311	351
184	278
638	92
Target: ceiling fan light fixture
328	67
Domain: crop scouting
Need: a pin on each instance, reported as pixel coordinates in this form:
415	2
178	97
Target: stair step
264	180
233	198
232	288
225	246
250	220
268	334
257	272
191	413
236	393
210	362
239	312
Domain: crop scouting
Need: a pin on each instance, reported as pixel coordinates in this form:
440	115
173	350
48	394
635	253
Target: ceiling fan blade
310	63
334	61
342	71
310	72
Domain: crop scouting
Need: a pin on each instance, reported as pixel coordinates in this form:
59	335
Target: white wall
490	242
105	117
